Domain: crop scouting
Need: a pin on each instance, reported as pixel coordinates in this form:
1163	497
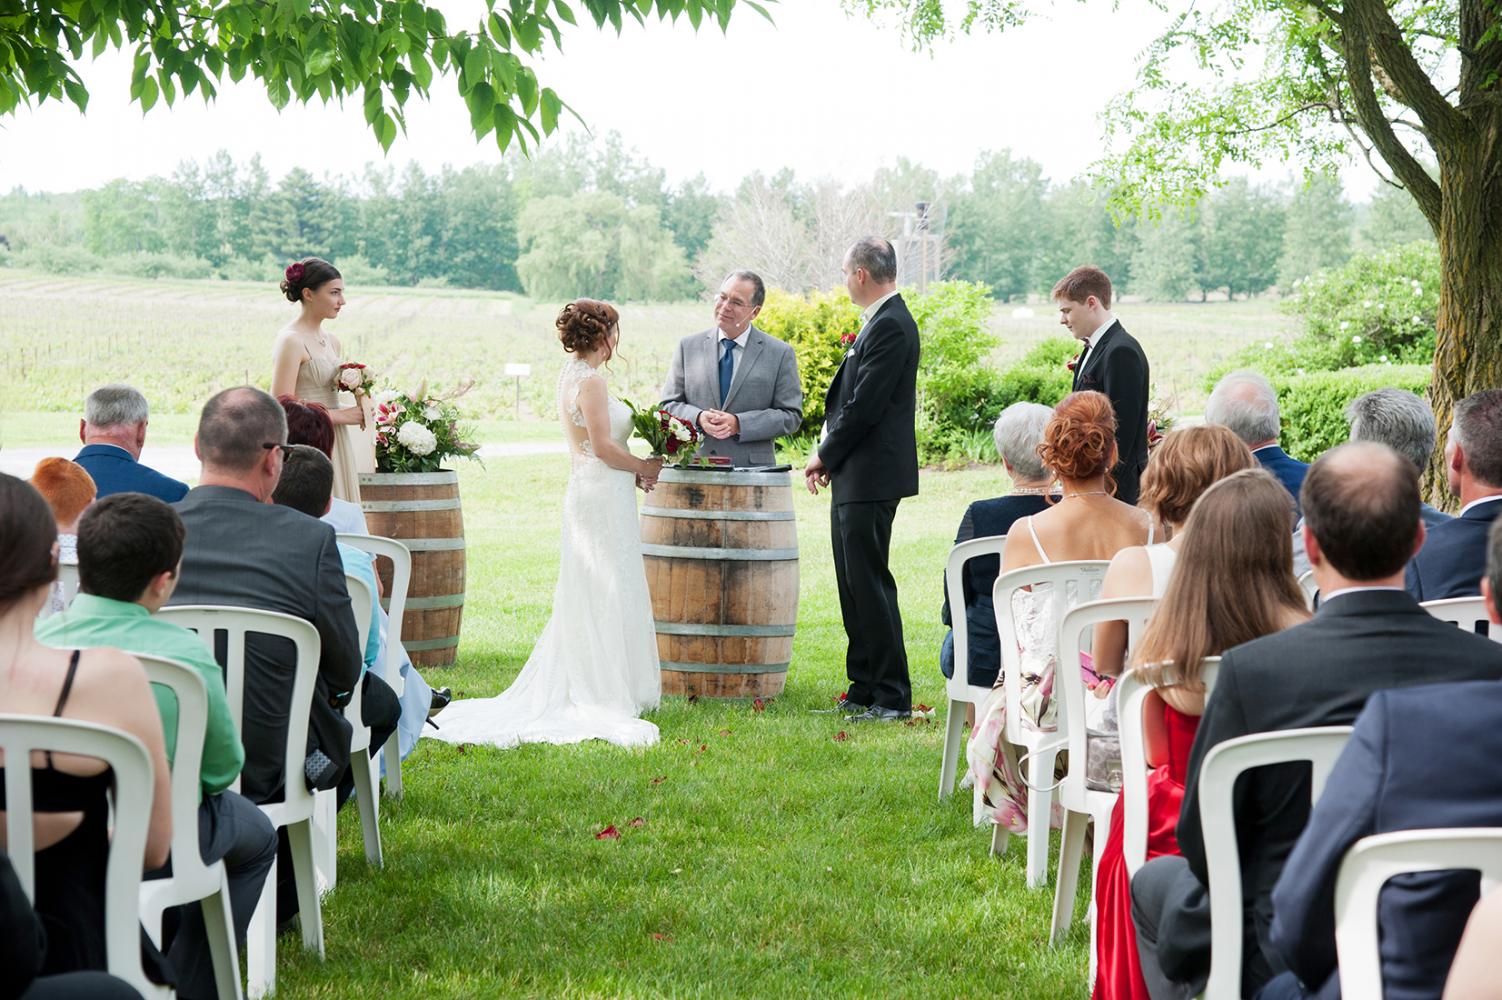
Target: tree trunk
1468	352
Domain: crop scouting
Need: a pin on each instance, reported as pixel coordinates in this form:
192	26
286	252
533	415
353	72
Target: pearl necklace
1032	491
1087	493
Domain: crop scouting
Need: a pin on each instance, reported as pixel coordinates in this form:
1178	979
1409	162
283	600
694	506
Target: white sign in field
518	371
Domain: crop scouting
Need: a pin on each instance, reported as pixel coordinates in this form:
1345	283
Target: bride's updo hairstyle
1080	441
310	272
27	534
585	325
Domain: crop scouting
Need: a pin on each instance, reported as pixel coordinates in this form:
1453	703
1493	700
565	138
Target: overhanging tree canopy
382	51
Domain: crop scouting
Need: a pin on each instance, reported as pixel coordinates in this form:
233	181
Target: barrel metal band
719	515
423	645
749	555
723	668
434	544
429	603
392	506
685	477
687	628
442	478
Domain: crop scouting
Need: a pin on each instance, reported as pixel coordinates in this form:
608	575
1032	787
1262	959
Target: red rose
295	272
847	339
1070	364
672	446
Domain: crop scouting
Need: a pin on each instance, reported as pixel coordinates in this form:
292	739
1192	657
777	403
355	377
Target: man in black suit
1361	510
870	456
1452	561
1111	362
1246	402
1419	759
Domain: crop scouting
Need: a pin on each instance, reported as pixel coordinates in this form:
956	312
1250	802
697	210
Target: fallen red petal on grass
841	696
637	822
758	705
609	833
659	779
922	708
667	938
841	736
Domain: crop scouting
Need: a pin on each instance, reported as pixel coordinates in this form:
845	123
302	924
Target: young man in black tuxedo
1111	362
870	457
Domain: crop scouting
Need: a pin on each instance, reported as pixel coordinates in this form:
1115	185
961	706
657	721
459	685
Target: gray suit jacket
765	394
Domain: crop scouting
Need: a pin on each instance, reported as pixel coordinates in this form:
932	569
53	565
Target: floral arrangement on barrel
672	439
1160	419
416	431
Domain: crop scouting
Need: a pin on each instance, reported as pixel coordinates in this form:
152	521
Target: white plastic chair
1465	612
1368	865
192	881
1084	805
1132	695
961	692
1310	588
126	757
295	812
1217	782
1071	583
395	603
67	581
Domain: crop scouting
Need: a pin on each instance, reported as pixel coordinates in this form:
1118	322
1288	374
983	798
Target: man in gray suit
735	383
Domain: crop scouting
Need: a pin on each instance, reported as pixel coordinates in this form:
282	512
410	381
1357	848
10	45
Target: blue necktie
727	369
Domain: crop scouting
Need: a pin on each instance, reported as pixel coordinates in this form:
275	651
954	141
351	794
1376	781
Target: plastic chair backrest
954	586
1072	582
1132	697
236	624
1309	587
1076	630
361	600
1465	612
395	601
1217	783
127	759
1368	865
187	685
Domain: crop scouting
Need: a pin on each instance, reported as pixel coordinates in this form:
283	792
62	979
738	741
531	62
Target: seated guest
1018	433
113	431
1232	577
1453	559
1245	402
1183	466
1418	759
306	485
310	424
1403	421
1361	510
1079	445
68	490
129	547
103	686
1473	976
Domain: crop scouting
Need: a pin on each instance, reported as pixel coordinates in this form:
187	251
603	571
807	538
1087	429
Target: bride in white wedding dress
595	668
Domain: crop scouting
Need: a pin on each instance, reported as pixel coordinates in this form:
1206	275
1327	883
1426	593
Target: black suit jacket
244	553
870	447
1453	559
1319	673
1117	367
1418	759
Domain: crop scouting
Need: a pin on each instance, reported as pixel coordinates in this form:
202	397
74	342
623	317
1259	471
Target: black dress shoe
878	714
441	698
850	709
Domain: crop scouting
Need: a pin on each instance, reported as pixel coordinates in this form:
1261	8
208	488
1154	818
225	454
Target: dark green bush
1040	377
1313	405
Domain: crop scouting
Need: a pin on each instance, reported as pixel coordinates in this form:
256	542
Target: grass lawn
771	859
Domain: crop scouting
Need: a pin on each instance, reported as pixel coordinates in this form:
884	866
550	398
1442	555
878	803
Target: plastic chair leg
954	728
309	913
220	925
325	825
260	942
393	754
1071	852
367	798
1040	767
999	838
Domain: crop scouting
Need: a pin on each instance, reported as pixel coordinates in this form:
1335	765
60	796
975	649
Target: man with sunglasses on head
735	383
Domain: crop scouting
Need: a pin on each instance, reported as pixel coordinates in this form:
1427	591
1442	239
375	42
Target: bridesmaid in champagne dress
306	359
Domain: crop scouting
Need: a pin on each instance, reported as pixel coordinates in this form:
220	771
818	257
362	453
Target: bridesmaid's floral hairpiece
295	271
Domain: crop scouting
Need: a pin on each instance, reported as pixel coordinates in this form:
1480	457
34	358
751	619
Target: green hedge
1314	405
1040	377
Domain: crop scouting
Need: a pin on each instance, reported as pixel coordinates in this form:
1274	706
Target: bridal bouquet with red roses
672	439
354	377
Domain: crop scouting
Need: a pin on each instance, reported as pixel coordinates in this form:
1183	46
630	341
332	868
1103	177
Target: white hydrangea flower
1267	345
1345	324
1415	318
416	438
1355	338
1366	303
433	413
1383	358
1417	289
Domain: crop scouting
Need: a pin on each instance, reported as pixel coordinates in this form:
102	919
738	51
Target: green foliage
1318	233
1313	405
1242	238
993	223
145	264
1042	376
595	244
416	431
956	385
813	324
1167	258
54	259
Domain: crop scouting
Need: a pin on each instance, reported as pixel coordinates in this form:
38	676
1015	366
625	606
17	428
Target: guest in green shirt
129	548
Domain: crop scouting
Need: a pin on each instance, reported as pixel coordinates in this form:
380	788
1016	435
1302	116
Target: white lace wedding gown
595	667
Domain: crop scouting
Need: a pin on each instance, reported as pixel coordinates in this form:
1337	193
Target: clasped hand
815	474
719	424
646	480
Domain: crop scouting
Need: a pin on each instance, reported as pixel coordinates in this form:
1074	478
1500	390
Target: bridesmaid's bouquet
354	377
417	430
672	439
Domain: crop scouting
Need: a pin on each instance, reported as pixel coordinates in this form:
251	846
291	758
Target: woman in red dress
1232	582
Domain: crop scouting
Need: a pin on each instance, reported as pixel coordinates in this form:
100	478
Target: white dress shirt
875	307
1094	339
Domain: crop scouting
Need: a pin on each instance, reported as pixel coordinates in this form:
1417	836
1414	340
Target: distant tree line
597	218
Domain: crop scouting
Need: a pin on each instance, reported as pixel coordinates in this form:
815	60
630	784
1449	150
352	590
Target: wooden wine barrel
421	510
721	551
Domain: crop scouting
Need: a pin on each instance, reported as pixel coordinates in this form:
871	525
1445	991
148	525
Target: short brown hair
1185	464
1477	428
1361	503
1083	282
66	487
1080	441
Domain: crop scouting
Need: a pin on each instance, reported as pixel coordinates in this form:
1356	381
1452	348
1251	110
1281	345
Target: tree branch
1370	22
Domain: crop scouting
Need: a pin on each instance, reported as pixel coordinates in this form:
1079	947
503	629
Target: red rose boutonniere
1072	363
847	340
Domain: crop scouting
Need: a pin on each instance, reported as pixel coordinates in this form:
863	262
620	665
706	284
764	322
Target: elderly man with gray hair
1245	402
1018	432
113	431
1404	422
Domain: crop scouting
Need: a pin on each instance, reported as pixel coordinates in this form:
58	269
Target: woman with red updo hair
594	670
1087	522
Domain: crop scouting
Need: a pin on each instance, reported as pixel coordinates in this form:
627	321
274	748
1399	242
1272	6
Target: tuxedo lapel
1096	350
751	348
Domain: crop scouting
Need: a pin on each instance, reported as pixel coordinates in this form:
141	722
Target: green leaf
422	71
77	93
526	90
385	130
149	93
565	12
551	105
499	31
474	66
321	61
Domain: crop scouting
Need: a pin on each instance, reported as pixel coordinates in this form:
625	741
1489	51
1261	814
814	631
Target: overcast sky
823	93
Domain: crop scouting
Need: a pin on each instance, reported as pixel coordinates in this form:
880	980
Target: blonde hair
1185	464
